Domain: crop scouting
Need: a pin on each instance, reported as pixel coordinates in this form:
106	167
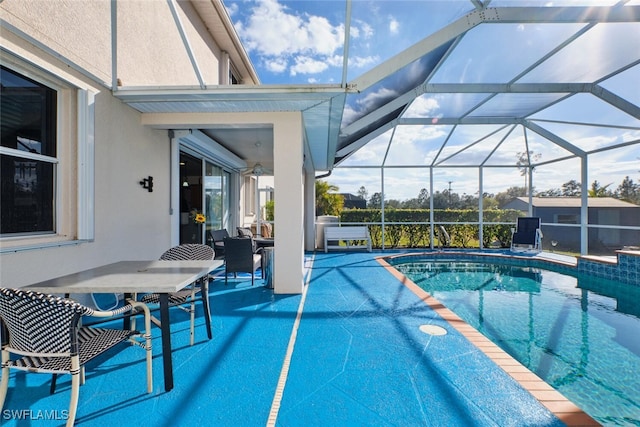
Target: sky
292	42
302	42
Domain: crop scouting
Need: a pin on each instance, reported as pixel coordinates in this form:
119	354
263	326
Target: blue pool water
581	335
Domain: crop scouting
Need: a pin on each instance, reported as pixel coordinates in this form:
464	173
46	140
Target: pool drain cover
433	330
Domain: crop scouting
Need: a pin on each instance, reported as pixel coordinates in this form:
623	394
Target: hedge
402	228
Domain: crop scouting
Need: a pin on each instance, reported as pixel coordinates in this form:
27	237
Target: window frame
74	163
54	161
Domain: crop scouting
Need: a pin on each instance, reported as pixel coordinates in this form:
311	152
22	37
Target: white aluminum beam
505	88
187	44
459	121
347	36
555	138
615	100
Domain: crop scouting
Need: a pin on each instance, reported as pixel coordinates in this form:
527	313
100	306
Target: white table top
129	277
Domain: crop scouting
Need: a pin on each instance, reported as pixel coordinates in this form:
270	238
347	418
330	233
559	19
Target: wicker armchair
44	331
188	295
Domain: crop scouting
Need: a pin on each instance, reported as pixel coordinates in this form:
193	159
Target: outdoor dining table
135	277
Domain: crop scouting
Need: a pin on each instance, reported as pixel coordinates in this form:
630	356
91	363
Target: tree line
328	202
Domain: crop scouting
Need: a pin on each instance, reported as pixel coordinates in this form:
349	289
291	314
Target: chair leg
204	295
75	390
4	385
52	388
147	341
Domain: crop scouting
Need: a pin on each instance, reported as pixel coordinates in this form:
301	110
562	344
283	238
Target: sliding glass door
190	198
204	189
216	198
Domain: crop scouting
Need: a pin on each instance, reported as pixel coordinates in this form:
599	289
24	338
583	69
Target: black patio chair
217	237
240	257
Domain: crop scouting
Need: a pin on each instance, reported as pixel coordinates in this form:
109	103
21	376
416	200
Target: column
288	203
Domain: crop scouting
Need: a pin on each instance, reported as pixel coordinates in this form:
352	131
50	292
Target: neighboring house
565	211
351	201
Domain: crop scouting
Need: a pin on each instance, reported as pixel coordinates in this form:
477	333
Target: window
216	196
249	195
233	79
567	219
28	156
47	159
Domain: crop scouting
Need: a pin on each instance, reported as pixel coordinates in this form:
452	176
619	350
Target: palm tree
599	191
328	202
524	163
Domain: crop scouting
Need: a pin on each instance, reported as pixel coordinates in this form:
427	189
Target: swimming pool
580	334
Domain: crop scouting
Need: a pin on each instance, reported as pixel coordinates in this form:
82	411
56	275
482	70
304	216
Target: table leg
165	327
204	294
126	321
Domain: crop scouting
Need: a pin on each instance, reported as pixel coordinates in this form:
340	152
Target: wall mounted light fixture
147	183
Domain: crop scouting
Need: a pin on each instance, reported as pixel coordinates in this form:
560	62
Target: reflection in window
28	114
27	205
27	155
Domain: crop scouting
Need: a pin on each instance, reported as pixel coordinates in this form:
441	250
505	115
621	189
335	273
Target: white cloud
307	65
276	35
232	9
423	106
335	60
361	30
366	30
394	25
280	37
276	65
373	98
363	61
325	39
349	114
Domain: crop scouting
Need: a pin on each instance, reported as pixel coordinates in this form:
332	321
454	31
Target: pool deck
350	350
